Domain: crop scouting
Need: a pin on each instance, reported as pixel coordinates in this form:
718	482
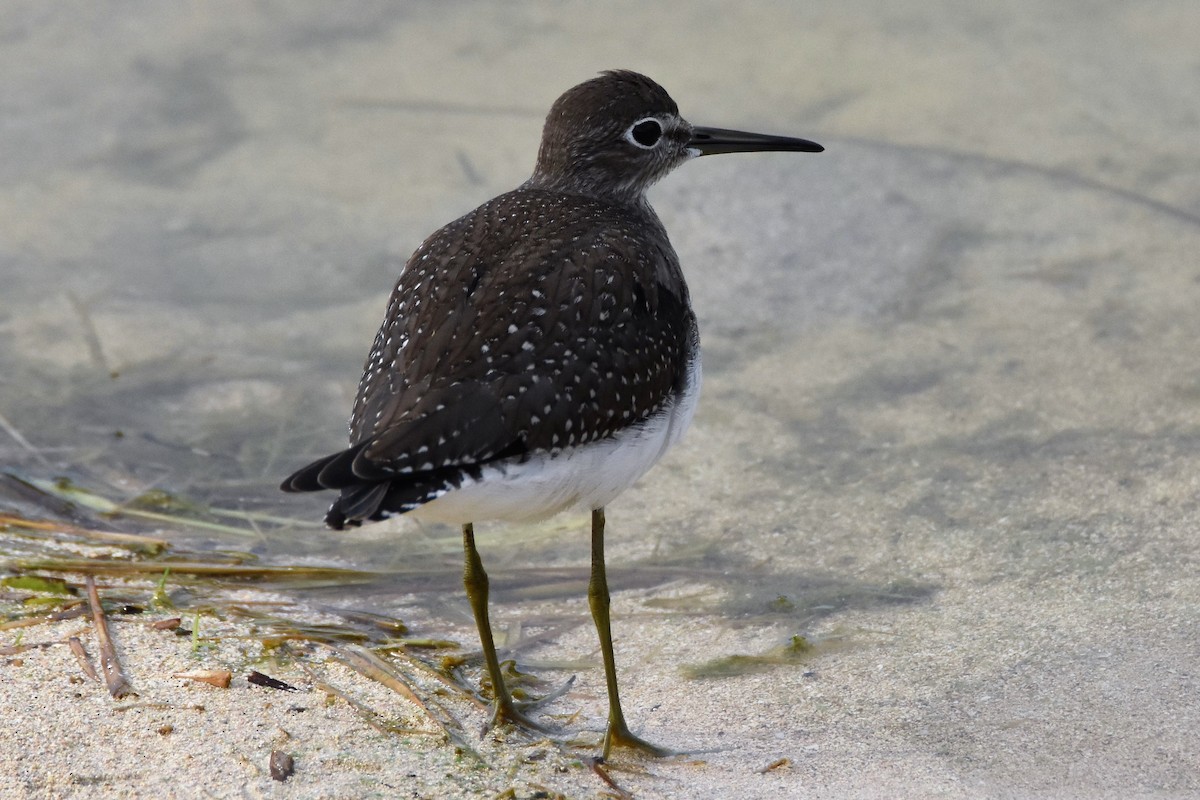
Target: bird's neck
598	186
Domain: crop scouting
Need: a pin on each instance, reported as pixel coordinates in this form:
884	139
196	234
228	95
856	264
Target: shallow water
957	350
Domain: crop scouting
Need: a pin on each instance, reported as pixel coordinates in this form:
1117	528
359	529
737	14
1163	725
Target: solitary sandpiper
539	353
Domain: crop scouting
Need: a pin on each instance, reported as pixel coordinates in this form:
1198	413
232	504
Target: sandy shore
949	428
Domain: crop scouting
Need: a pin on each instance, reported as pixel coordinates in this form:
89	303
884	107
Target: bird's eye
645	133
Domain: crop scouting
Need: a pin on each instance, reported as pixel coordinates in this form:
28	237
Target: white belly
587	477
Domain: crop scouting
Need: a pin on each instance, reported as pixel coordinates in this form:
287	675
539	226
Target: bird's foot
621	736
507	713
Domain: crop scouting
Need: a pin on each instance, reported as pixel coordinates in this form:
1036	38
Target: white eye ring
645	134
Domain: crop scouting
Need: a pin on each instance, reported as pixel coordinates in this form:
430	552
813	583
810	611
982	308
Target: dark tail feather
347	468
305	479
371	502
330	472
336	520
376	494
358	503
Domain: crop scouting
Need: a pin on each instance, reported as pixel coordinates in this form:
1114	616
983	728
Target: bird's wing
519	327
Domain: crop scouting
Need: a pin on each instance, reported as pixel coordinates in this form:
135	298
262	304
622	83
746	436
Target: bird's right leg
476	582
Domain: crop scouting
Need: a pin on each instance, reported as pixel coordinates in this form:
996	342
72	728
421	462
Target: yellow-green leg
476	582
618	734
